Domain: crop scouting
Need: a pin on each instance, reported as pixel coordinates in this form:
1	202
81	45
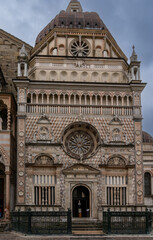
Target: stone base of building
4	225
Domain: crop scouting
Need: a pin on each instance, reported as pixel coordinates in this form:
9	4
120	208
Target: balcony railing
80	109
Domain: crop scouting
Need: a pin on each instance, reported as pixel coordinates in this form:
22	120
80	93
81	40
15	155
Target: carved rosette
20	160
139	163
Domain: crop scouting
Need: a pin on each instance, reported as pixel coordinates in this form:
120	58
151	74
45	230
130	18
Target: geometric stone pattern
58	124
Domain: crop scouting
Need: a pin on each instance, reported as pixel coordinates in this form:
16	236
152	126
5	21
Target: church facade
80	143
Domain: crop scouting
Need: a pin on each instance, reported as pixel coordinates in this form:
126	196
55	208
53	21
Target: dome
73	17
146	137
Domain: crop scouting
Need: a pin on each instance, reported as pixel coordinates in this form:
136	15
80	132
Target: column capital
7	172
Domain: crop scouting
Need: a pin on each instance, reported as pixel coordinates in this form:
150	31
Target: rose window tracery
80	141
80	48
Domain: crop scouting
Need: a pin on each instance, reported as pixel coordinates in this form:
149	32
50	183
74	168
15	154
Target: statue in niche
103	160
1	121
131	159
30	158
116	135
35	136
44	133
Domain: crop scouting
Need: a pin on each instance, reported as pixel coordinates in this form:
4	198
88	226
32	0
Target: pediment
115	121
43	120
80	169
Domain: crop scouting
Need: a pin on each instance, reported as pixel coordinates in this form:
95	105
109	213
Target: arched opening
3	116
81	202
29	98
147	182
2	182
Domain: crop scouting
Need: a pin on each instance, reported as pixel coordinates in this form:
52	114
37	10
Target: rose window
80	49
79	144
80	141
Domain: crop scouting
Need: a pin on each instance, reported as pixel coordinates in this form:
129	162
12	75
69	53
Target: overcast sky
129	21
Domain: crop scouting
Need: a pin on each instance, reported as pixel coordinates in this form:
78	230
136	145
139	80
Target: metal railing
42	222
127	222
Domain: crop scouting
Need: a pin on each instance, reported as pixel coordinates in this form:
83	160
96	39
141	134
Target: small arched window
147	184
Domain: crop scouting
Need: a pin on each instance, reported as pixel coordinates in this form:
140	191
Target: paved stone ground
16	236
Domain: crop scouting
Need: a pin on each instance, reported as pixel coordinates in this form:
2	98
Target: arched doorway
2	182
81	202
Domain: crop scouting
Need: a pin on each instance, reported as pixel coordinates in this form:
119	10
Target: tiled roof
147	138
76	20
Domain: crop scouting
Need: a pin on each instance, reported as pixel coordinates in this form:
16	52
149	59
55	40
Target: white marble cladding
79	64
78	71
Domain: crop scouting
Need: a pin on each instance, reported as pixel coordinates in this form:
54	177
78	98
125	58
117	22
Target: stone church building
78	130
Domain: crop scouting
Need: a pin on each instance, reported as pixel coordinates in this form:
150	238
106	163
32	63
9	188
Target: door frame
90	199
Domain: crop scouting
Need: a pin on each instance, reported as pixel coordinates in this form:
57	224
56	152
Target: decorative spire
134	56
23	52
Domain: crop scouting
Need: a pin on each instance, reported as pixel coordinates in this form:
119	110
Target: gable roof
14	39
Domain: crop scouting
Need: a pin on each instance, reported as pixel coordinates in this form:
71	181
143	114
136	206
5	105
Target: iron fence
127	222
42	222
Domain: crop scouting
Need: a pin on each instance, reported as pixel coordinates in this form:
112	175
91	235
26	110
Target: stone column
7	174
14	119
8	119
7	189
47	48
94	50
67	45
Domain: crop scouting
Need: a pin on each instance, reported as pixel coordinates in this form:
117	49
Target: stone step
88	233
87	226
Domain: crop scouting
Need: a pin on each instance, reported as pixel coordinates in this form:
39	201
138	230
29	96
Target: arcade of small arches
82	76
79	98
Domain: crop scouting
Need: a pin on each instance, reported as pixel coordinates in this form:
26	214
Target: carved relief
116	135
44	160
44	130
21	95
116	130
44	133
116	161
